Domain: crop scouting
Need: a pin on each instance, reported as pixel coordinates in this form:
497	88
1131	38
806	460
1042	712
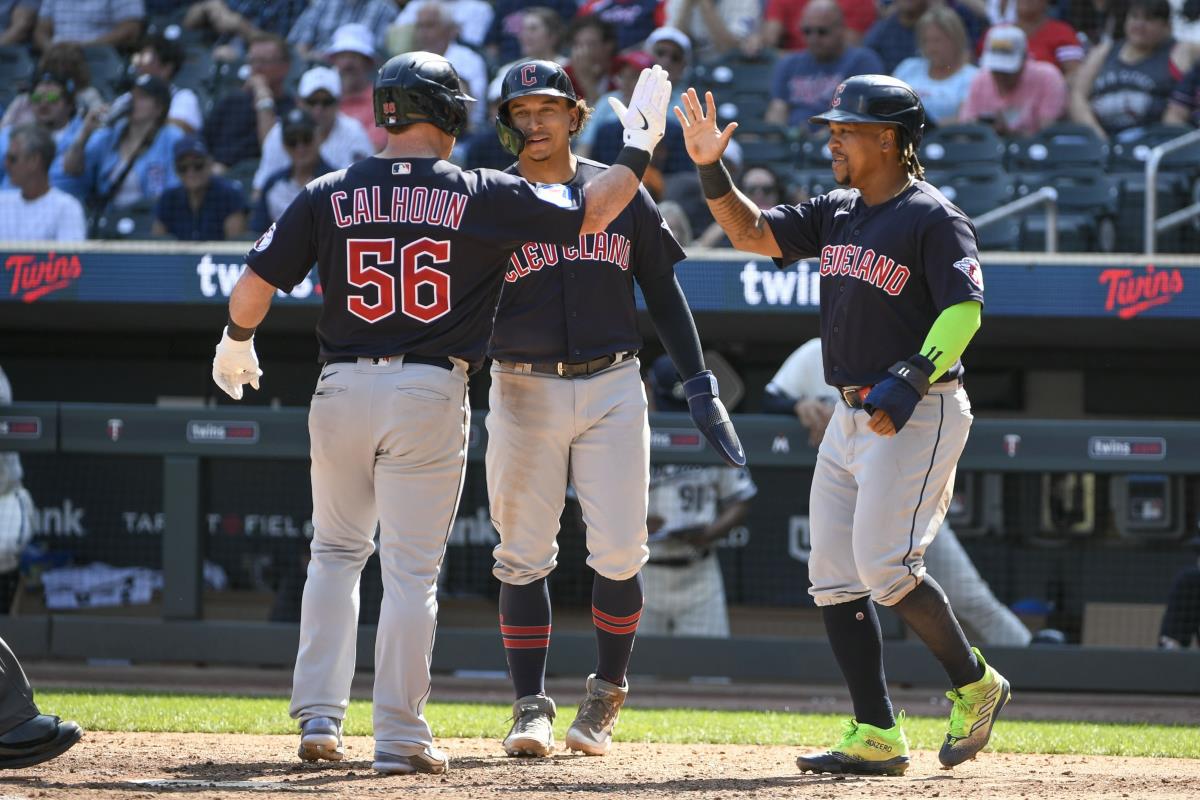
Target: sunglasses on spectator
316	101
46	97
761	187
191	166
12	158
668	54
817	31
293	139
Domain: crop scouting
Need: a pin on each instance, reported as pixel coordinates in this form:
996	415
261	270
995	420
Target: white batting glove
235	364
645	120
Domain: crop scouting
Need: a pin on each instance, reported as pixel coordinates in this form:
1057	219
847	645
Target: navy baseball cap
190	146
666	385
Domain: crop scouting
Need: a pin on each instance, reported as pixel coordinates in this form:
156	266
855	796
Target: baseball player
692	507
567	405
901	297
411	252
799	388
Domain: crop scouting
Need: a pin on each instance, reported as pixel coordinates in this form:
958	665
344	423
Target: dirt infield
207	767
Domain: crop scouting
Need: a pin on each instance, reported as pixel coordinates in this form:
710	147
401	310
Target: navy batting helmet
530	77
420	87
877	98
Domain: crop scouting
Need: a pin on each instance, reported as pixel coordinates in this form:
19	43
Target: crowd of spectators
209	116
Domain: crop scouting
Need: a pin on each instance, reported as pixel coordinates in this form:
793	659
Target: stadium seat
814	153
978	194
953	145
108	69
1177	171
16	67
759	129
1064	144
1088	203
813	181
134	222
745	105
777	155
197	70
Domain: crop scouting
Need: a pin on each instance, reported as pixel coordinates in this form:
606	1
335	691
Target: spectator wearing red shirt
631	19
1049	39
352	54
782	29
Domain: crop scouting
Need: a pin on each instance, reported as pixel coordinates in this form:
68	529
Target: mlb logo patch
401	168
264	241
970	267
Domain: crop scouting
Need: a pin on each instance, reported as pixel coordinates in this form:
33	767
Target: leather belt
433	361
672	562
570	369
853	396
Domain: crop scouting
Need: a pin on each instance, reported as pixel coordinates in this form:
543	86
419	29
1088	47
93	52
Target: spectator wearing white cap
671	49
1015	94
717	27
473	17
353	56
341	139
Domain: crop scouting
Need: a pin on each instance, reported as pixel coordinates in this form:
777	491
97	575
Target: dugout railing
184	438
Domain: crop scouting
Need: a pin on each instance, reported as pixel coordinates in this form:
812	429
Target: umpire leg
16	695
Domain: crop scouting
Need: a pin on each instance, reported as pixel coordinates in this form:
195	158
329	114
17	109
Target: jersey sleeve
802	376
517	211
285	253
655	251
797	230
950	252
735	486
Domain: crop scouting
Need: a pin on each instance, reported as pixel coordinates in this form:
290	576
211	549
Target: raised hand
705	143
645	120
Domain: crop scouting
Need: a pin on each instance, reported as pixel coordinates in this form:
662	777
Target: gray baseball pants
877	502
389	445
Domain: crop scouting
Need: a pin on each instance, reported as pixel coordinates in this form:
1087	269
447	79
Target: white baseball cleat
431	761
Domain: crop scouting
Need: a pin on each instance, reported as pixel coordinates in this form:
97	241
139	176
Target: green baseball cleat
976	707
863	750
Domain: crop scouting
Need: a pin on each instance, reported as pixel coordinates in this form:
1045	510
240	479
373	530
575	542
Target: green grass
181	713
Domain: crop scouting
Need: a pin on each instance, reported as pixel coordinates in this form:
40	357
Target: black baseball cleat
863	750
37	740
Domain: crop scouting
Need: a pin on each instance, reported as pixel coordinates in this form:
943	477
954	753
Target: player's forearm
728	519
605	195
952	331
675	325
250	300
744	224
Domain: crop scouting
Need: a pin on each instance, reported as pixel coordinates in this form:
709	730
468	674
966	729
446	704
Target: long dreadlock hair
908	155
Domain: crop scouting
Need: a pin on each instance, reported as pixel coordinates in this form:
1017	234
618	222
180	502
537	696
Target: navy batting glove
894	396
899	393
711	418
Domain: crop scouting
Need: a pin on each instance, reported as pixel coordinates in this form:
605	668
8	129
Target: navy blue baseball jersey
574	302
887	272
410	252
